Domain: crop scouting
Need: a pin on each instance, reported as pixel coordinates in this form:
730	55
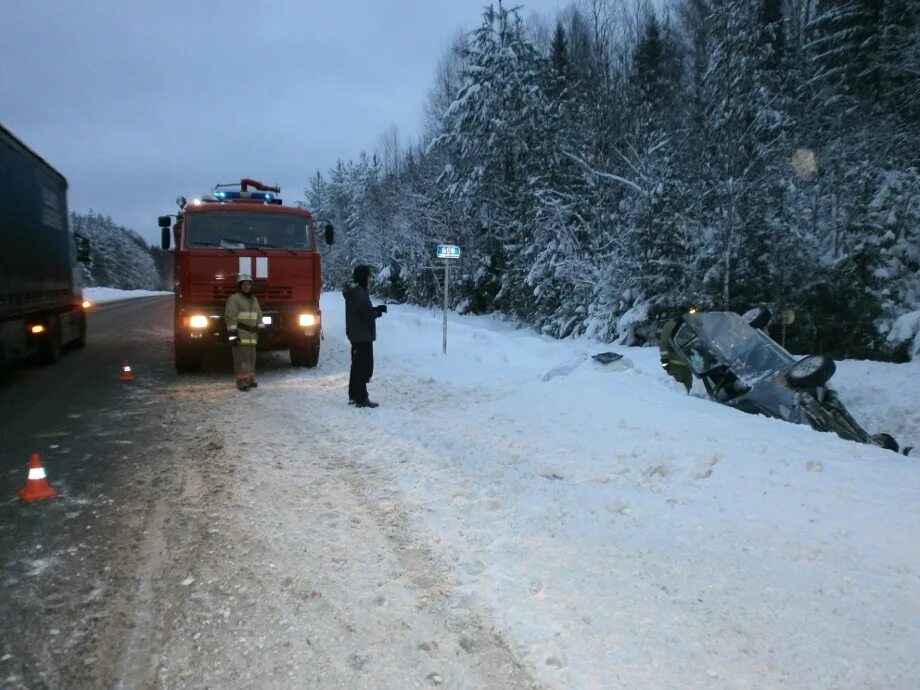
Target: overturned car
741	366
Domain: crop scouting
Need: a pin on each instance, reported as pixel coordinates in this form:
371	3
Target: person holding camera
361	329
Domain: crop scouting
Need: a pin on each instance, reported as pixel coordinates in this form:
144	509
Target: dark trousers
362	368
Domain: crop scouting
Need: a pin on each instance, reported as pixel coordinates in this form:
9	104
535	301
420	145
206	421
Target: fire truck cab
245	228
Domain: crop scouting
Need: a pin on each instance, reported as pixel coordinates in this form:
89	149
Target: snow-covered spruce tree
164	260
418	227
574	266
397	206
559	56
656	197
899	75
362	222
318	198
735	159
694	162
561	279
791	250
850	127
859	53
846	47
338	195
119	257
894	218
325	200
494	138
774	256
636	197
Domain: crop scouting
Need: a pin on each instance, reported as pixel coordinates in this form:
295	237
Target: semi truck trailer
41	281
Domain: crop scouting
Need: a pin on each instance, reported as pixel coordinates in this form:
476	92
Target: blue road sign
448	251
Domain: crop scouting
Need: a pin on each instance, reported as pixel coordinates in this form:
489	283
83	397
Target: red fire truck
245	228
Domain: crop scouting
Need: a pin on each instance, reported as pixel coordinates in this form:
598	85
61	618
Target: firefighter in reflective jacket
243	317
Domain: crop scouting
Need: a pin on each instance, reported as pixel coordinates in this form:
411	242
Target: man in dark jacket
361	329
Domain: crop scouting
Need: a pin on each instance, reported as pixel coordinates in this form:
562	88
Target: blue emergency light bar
264	196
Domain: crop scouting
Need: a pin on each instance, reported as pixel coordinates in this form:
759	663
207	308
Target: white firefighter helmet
243	277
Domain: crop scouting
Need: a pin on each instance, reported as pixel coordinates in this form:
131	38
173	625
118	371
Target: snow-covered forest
119	257
607	167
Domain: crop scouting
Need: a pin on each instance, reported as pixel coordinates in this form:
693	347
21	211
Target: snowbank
100	295
907	327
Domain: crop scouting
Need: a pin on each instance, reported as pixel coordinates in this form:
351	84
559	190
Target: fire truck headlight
267	320
198	321
307	320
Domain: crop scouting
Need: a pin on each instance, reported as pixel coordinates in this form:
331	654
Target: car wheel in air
812	371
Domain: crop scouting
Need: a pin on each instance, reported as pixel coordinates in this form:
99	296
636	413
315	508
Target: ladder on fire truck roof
264	192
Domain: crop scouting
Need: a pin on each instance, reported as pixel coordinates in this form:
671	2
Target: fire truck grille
266	293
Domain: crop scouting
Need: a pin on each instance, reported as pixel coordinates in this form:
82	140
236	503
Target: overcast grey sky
136	102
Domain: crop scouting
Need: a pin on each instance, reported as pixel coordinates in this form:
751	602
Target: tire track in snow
314	577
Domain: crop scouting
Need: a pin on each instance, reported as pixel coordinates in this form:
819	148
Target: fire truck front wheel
305	353
188	360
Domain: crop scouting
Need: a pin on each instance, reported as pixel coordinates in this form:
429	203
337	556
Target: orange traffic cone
126	373
37	486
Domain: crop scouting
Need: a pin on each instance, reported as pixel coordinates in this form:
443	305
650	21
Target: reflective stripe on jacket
243	315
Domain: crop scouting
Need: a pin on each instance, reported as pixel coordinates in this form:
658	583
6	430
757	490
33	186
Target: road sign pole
446	303
447	252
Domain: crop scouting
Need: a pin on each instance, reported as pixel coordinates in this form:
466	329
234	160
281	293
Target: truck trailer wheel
306	355
188	360
81	332
50	345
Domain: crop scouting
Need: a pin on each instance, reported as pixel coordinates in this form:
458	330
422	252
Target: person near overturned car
243	315
670	362
361	329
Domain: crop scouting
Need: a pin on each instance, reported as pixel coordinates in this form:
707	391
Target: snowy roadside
100	295
599	528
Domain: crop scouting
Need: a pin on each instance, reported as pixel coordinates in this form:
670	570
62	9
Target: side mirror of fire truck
330	233
164	224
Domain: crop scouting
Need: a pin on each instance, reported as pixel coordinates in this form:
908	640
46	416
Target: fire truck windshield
232	230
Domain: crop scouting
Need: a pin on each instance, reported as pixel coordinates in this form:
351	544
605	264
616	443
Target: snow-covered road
312	575
487	528
513	515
